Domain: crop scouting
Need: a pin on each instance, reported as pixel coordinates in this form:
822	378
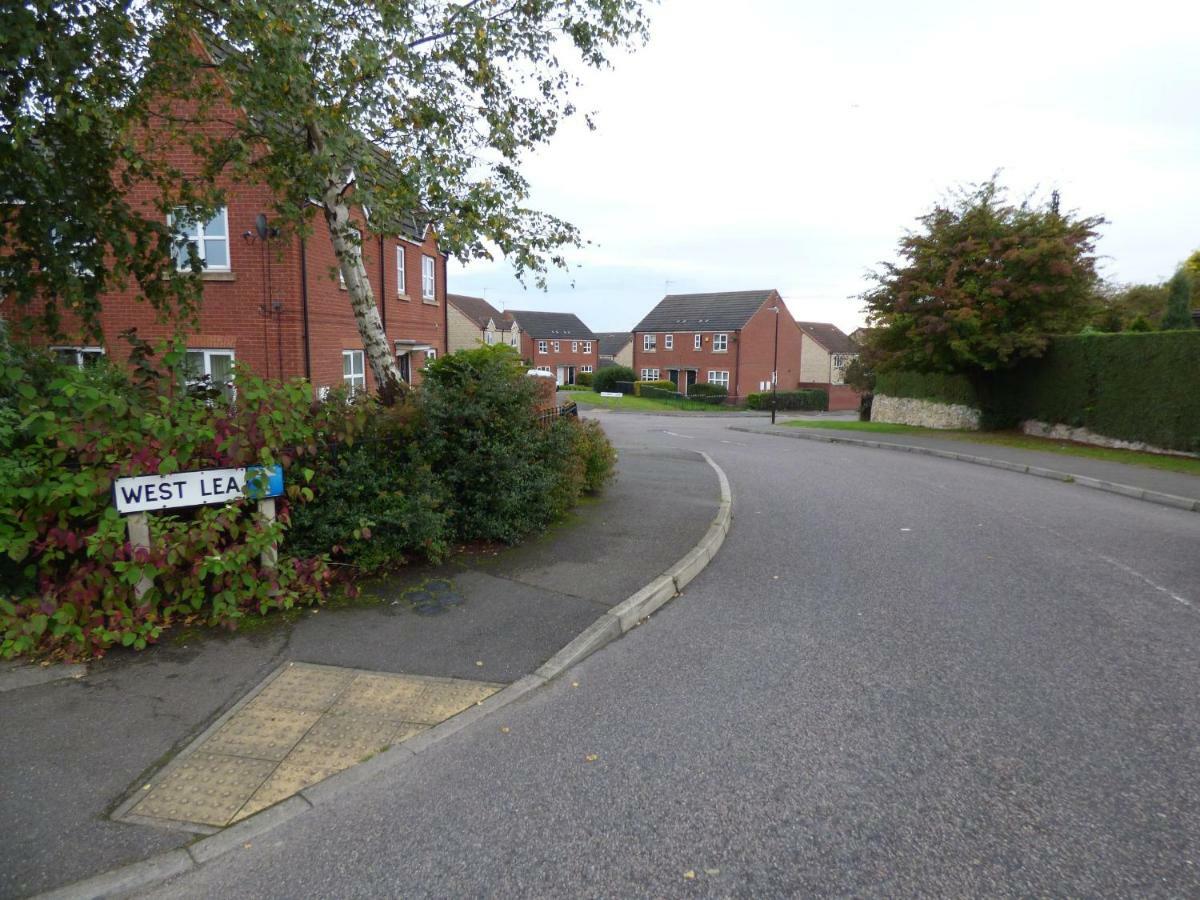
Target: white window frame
543	347
430	356
585	368
489	338
650	374
587	348
196	236
719	377
720	342
401	273
545	369
698	341
82	355
207	353
574	346
428	279
649	342
668	342
357	381
557	347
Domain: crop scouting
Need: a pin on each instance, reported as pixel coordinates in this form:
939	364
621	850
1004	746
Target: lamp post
775	366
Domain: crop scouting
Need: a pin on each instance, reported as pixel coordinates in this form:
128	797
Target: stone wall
924	413
1084	436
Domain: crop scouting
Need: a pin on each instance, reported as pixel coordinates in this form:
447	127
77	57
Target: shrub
702	389
935	386
573	387
598	455
583	379
67	570
661	385
811	399
606	379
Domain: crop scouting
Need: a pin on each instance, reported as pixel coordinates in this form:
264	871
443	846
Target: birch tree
413	111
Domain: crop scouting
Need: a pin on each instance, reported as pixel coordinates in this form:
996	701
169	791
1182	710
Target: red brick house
725	338
557	342
277	304
825	352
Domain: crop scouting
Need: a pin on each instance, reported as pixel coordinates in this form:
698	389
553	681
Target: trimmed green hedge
1131	386
662	384
702	389
808	399
937	387
606	379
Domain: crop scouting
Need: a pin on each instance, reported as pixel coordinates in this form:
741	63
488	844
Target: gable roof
476	309
727	311
552	325
828	336
611	342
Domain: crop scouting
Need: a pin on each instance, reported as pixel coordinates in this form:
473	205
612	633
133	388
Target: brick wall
841	397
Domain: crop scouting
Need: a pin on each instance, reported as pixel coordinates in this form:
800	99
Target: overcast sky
773	143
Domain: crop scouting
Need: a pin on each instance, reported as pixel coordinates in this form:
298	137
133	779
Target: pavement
901	676
1159	481
80	750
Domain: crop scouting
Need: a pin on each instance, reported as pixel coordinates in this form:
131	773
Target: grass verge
1017	440
647	404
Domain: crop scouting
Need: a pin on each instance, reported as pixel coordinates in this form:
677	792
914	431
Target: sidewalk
76	749
1138	478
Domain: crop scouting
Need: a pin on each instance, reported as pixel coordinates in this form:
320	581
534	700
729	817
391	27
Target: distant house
726	339
825	352
558	343
616	348
858	337
472	321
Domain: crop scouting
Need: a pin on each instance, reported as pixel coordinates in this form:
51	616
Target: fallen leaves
592	757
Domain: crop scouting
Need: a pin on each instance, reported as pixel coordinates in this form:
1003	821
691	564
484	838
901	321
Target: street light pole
775	366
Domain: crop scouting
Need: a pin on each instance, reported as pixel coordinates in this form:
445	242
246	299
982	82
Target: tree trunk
347	246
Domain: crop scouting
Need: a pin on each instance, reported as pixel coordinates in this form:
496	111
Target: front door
691	379
405	368
673	377
566	375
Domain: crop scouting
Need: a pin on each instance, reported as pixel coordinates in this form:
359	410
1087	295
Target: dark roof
552	325
476	309
727	311
828	336
611	342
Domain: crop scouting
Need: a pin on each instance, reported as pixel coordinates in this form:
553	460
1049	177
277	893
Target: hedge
938	387
606	379
704	390
810	399
662	385
1131	386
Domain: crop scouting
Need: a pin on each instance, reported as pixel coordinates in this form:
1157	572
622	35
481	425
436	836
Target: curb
622	618
1125	490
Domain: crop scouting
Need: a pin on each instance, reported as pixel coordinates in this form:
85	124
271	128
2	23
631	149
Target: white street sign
147	492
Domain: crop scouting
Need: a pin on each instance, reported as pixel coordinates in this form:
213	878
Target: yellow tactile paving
305	724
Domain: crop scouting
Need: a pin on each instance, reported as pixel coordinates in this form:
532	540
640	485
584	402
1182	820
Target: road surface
901	675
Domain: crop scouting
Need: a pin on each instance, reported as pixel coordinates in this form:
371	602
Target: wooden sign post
135	496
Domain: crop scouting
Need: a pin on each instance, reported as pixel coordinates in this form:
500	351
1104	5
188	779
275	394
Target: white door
562	375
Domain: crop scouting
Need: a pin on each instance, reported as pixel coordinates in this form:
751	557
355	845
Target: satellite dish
260	225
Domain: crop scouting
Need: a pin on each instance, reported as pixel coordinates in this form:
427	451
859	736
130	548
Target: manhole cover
303	724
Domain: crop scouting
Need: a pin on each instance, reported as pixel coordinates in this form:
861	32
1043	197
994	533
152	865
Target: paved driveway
900	676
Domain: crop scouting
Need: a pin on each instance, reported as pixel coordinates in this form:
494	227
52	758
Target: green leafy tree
982	284
1179	301
421	110
1118	306
74	76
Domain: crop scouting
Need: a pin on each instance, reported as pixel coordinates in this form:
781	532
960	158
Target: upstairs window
542	347
354	371
401	274
556	347
574	346
649	342
210	239
720	342
587	347
428	284
697	341
668	342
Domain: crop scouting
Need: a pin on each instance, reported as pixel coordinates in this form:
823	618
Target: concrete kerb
1125	490
620	619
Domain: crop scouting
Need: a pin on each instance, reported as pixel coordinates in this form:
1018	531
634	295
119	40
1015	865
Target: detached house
727	339
278	304
558	343
474	321
616	348
825	352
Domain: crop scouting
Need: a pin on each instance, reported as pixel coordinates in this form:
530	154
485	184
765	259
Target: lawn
1016	439
646	404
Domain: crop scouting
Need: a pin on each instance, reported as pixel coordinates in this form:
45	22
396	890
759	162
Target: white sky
786	144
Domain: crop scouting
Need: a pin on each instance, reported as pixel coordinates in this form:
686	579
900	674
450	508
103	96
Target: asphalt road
900	676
